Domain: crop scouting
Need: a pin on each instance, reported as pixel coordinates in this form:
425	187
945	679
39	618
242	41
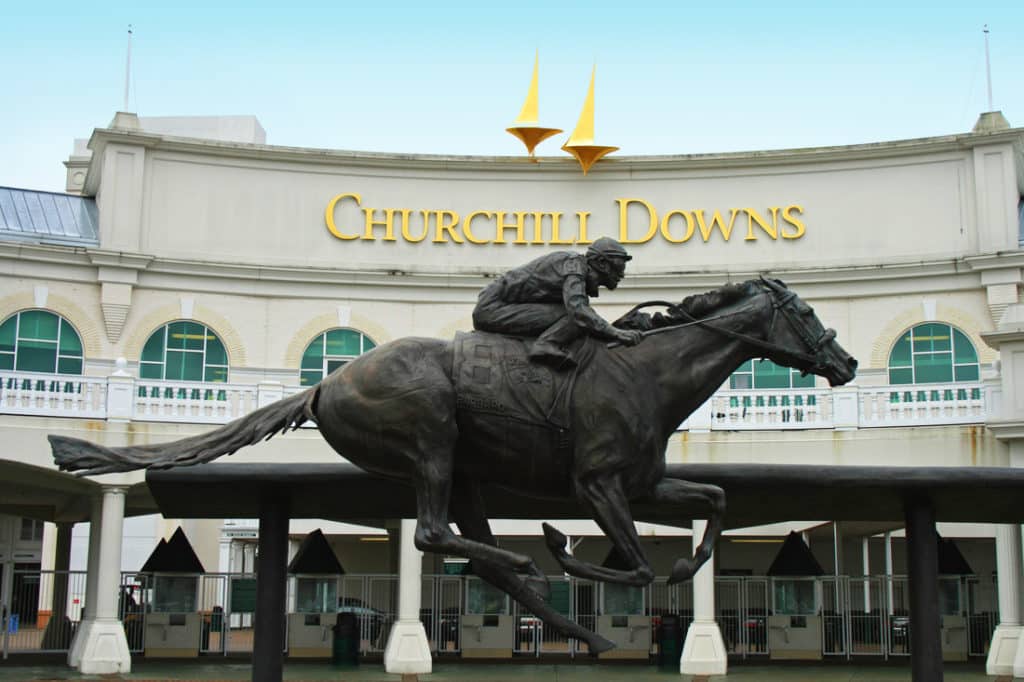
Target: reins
760	344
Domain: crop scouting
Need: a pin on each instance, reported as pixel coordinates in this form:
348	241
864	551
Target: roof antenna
128	69
988	70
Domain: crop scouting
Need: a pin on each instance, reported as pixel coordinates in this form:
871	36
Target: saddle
494	376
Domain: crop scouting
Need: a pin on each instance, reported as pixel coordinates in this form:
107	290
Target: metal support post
923	571
271	584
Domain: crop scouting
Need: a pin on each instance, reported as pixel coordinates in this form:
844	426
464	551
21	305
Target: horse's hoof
598	645
683	570
538	585
556	539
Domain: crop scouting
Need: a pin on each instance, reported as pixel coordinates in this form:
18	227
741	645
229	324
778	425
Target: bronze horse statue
393	411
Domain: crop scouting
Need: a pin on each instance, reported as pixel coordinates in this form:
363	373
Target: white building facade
228	273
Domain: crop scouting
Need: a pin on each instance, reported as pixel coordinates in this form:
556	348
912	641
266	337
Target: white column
105	651
408	652
92	571
704	649
865	558
1004	652
888	572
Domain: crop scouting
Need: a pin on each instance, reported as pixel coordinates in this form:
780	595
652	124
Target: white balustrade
193	402
922	404
798	408
53	395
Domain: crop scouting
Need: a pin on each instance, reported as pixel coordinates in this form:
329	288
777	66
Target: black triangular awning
173	556
951	561
154	557
795	558
315	557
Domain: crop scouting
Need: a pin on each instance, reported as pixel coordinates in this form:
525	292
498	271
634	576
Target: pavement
516	671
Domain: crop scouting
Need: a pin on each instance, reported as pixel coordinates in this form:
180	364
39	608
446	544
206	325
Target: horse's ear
774	284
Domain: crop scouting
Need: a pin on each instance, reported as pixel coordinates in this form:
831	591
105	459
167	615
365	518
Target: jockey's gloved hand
628	337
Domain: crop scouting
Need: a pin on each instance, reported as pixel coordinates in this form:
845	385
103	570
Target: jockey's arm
577	305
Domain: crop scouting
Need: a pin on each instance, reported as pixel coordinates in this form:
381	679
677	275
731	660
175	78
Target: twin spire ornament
580	144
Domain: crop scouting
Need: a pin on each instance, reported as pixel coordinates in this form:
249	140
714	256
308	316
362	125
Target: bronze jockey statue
549	298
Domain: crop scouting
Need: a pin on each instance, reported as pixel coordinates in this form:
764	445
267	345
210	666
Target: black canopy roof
315	556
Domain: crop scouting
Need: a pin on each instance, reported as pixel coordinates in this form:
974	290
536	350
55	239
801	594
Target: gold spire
581	142
525	127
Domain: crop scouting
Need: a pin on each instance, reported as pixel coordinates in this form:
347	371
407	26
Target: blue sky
448	77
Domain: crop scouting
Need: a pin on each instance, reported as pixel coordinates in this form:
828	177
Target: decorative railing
122	397
57	395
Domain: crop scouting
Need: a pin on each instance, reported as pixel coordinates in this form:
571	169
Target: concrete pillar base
1018	656
1003	651
408	652
704	650
105	649
78	643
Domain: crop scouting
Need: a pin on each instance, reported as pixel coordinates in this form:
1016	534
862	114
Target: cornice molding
617	165
1006	429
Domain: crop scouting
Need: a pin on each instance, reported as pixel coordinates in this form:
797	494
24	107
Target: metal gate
441	612
533	637
866	616
833	600
240	610
663	600
213	598
756	607
43	610
897	632
982	614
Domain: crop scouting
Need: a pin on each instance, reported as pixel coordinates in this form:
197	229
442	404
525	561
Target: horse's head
797	338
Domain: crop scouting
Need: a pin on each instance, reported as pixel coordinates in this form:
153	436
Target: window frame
58	354
955	367
331	362
793	376
208	331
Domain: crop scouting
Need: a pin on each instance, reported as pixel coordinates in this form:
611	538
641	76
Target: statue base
704	650
407	652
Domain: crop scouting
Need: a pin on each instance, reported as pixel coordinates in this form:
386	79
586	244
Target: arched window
933	353
40	341
184	351
329	351
767	374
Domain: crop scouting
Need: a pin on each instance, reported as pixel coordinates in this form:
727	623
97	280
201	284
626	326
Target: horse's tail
87	459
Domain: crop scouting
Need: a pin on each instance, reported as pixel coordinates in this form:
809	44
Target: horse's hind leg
676	492
610	507
433	483
468	513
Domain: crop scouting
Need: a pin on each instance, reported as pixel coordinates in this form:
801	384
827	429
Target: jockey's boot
548	353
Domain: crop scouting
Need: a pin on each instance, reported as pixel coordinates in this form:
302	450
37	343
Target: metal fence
860	616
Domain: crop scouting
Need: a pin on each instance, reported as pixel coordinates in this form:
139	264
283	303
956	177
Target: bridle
782	299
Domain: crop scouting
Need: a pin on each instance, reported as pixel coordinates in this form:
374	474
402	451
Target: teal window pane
747	366
343	342
153	351
741	381
933	367
313	358
70	344
802	381
967	373
38	324
185	336
151	370
7	330
901	376
310	378
6	360
963	349
901	355
36	356
183	366
335	364
69	366
368	344
769	375
215	353
216	373
932	337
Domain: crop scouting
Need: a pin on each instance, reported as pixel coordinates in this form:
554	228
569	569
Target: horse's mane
695	306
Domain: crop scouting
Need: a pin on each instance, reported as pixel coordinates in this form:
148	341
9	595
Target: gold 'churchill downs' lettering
639	222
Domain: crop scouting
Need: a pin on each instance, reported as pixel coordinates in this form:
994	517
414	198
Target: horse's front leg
610	507
676	492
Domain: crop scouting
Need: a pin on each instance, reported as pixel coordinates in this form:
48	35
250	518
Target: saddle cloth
494	376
